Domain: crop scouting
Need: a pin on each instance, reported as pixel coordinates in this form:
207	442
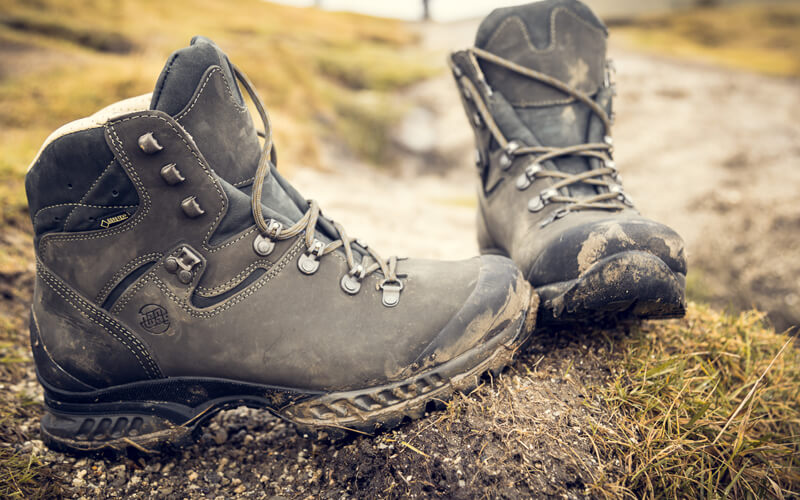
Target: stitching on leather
131	292
150	368
231	242
123	272
144	207
76	205
116	141
234	281
241	109
244	182
271	273
550	47
86	194
196	98
553	29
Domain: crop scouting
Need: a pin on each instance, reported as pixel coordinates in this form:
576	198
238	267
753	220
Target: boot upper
149	264
538	91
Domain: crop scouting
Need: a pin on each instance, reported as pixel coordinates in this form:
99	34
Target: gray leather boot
537	90
164	293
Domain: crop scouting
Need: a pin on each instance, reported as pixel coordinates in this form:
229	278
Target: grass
321	74
706	407
762	37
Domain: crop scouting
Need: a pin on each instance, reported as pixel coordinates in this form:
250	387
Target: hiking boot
165	294
537	90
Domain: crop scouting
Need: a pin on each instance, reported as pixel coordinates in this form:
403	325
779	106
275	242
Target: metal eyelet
149	144
391	292
538	203
613	166
171	174
308	263
263	246
478	158
467	93
191	208
608	140
621	195
527	178
351	282
274	229
476	120
183	264
555	215
507	157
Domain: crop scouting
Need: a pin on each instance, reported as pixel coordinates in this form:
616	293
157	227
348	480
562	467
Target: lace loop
607	200
272	230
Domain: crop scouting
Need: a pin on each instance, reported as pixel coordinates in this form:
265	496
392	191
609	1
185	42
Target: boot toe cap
493	312
571	252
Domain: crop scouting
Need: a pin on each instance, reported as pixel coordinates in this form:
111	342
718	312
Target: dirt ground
713	153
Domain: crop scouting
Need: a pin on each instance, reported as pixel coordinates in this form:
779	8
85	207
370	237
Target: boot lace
273	230
605	177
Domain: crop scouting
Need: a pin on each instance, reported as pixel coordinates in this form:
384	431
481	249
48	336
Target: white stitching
86	194
271	273
234	281
143	192
76	205
196	98
54	283
551	46
120	275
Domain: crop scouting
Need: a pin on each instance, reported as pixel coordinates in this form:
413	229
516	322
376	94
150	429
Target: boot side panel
77	346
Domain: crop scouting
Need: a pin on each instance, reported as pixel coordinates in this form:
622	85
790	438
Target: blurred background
365	112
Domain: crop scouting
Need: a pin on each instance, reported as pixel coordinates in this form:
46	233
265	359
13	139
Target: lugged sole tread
625	286
331	416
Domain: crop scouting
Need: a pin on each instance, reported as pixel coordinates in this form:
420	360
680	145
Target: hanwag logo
154	318
116	219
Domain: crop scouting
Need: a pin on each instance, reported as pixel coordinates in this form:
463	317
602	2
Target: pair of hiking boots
179	274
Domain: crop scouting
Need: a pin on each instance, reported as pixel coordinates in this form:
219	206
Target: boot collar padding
131	105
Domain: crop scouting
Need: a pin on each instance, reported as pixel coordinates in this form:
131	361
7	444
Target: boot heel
111	432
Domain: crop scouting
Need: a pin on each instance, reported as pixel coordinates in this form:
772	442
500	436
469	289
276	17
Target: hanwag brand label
154	318
114	219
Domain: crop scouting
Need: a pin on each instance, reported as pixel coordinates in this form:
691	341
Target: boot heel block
112	431
155	415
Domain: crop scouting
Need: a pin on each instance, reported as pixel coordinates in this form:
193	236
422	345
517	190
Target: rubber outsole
628	285
153	416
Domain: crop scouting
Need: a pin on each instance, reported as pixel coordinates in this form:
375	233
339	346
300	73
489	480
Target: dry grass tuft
706	407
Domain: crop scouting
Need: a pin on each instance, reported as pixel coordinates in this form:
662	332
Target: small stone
240	489
220	437
192	476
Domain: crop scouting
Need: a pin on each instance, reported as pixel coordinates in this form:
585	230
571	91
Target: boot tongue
197	87
562	39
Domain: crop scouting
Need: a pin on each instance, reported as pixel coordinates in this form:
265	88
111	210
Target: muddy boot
537	90
164	294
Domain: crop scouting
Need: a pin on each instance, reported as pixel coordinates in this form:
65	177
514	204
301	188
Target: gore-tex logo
116	219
